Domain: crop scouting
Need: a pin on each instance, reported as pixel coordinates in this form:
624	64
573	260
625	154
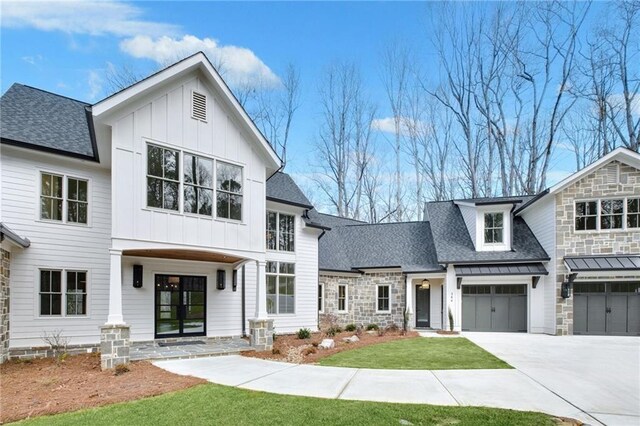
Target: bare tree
275	108
344	138
396	70
120	77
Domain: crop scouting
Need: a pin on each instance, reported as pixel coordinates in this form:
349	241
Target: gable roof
196	61
36	119
281	188
622	155
405	245
486	201
454	245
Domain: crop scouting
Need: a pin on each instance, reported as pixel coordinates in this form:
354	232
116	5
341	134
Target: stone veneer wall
570	243
362	298
5	261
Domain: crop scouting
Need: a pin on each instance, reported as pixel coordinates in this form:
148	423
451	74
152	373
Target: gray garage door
606	308
494	307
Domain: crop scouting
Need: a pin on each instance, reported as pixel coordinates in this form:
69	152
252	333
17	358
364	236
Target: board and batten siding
305	258
55	245
541	220
164	118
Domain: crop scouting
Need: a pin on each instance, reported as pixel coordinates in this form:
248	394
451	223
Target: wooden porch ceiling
201	256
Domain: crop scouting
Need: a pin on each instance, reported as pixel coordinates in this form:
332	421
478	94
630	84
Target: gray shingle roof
603	263
41	120
332	221
517	199
453	243
5	232
407	245
282	189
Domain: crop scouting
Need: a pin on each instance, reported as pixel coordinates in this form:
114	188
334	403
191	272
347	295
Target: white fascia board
622	155
198	60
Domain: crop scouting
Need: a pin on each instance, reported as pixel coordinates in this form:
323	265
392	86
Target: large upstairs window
280	231
191	188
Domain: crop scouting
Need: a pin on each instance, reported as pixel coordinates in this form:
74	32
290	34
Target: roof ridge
390	223
86	104
340	217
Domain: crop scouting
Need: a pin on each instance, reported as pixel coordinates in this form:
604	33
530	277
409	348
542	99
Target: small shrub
315	344
359	331
121	369
328	321
332	331
380	331
450	320
275	351
393	328
350	327
372	327
304	333
58	344
309	351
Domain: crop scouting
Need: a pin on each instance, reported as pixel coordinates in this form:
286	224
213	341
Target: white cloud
32	60
617	101
239	65
388	125
82	17
94	81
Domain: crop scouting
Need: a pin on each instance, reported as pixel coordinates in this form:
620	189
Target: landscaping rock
405	422
352	339
372	332
327	344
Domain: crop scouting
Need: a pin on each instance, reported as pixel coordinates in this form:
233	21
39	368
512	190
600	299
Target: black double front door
181	306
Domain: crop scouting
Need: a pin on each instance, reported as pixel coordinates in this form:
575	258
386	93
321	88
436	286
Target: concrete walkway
492	388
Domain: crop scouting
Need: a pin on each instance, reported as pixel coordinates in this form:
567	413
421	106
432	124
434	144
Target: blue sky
66	48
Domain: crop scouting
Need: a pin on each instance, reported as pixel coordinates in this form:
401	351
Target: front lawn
432	353
222	405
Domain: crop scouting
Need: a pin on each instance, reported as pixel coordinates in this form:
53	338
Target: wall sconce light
425	284
137	276
234	280
221	281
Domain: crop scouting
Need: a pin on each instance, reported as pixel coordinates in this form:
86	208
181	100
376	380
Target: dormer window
493	228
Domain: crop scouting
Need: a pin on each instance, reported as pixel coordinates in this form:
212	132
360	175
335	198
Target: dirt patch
305	351
40	386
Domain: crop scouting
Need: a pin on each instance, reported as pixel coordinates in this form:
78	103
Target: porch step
152	351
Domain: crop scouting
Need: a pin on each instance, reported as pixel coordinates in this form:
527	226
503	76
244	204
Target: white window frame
346	298
598	201
279	274
63	289
377	298
65	198
241	194
484	228
184	184
295	224
321	297
181	184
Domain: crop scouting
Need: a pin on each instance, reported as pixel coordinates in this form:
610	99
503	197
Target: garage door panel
483	313
580	314
596	313
617	318
518	313
633	314
468	313
500	316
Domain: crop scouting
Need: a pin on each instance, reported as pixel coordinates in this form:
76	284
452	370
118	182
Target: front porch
187	348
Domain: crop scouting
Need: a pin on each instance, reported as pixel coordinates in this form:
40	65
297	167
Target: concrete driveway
598	375
591	379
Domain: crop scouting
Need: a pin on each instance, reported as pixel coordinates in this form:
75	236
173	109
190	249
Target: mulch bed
41	386
289	348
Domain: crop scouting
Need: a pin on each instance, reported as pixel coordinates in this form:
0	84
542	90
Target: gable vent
612	174
199	106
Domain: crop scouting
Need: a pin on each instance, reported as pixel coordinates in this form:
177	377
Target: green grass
221	405
450	353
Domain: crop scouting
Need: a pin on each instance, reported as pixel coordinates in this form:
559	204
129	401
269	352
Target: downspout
244	326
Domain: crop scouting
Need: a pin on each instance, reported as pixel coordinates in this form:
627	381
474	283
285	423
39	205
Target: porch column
114	335
261	327
410	321
261	290
115	288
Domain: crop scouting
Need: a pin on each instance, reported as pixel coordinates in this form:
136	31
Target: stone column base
114	345
261	334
